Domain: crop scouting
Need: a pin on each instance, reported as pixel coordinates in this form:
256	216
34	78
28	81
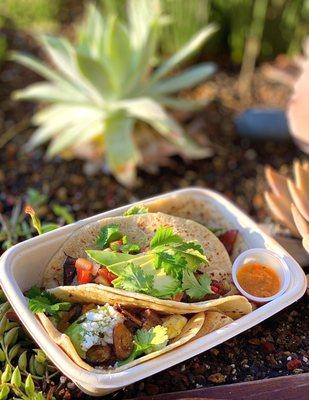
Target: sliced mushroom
123	341
99	354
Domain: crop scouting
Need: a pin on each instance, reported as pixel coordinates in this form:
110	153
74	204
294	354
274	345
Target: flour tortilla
140	229
189	331
233	306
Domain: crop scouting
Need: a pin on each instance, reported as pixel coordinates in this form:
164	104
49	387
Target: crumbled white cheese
98	326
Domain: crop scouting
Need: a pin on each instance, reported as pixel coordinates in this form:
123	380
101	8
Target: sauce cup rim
283	265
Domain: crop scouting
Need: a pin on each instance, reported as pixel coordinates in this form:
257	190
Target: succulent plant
102	85
288	200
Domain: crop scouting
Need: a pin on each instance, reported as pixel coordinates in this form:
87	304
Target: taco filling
168	267
108	336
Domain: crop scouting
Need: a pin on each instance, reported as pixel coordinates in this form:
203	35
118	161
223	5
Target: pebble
216	378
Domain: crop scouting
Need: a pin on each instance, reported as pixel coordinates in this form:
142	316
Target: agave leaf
182	104
141	15
188	78
72	135
97	74
71	112
37	66
118	51
48	93
143	61
63	55
91	37
186	51
151	112
55	119
121	151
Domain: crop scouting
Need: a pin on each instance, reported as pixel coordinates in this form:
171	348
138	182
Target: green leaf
164	236
165	286
16	377
49	227
196	287
64	213
172	263
118	51
108	234
98	74
147	341
138	209
7	373
43	301
29	386
121	151
186	51
4	392
92	34
190	77
134	279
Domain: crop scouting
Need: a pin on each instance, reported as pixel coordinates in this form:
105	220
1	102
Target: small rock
268	347
215	352
293	364
216	378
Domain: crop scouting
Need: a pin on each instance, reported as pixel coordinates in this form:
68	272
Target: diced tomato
83	276
106	274
215	289
83	263
228	239
178	296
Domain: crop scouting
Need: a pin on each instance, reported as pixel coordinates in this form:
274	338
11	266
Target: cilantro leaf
196	287
43	301
147	341
172	263
164	236
126	247
134	279
139	209
108	234
165	286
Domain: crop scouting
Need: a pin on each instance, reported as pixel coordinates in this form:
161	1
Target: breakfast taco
109	337
155	260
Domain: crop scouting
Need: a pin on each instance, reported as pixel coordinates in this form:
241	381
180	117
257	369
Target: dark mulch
236	170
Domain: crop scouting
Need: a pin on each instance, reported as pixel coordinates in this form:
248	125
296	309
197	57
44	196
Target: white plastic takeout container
22	266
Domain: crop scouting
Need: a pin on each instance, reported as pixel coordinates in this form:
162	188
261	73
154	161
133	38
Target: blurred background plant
105	85
17	227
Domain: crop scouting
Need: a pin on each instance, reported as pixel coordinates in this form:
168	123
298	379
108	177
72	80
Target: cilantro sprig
139	209
45	302
147	341
196	287
107	235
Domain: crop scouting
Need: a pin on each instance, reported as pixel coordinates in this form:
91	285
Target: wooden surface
294	387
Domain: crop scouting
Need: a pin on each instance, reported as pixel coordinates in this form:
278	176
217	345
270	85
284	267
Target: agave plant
103	84
288	200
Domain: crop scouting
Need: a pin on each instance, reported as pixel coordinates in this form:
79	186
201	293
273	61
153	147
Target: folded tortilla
140	229
189	331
